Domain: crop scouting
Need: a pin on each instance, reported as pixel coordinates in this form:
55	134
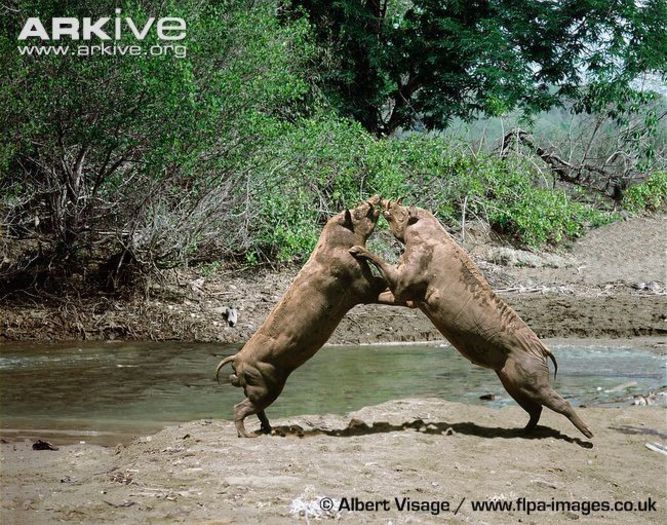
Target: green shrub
318	166
506	193
649	195
298	177
540	216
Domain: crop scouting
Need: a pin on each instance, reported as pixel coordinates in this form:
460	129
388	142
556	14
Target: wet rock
43	445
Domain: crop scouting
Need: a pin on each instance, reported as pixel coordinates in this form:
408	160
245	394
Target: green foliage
319	166
649	195
300	176
537	216
396	64
210	268
149	145
505	193
243	148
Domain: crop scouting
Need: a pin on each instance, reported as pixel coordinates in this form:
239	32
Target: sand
427	450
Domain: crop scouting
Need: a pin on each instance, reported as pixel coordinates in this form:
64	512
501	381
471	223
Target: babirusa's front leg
389	273
388	298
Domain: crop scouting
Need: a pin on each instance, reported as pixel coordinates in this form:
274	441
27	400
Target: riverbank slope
610	283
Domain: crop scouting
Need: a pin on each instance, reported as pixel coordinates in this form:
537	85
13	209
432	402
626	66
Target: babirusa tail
223	363
553	360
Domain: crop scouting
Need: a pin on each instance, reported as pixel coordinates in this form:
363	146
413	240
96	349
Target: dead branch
600	179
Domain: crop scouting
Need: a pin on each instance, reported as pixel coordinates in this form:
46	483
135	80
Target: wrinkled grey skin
436	273
326	288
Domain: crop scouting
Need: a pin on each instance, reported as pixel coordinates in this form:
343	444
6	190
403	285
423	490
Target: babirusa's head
362	219
399	217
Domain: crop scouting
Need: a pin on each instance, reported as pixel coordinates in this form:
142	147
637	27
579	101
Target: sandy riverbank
422	449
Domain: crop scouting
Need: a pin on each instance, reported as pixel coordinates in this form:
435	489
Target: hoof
586	432
358	252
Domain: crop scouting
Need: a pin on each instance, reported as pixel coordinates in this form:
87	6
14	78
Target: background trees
405	63
279	115
119	159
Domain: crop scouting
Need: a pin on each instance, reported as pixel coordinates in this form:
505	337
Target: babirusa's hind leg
534	411
266	426
530	378
553	400
533	408
259	395
241	411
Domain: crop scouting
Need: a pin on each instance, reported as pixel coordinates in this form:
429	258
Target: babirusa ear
412	215
399	201
347	222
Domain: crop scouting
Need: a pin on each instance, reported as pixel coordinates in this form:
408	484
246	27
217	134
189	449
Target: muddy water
111	392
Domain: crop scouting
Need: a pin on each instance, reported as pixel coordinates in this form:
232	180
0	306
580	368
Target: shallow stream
113	392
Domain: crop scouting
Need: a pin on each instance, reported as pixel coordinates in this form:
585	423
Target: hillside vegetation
283	113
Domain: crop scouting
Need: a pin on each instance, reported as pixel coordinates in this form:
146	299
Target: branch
610	184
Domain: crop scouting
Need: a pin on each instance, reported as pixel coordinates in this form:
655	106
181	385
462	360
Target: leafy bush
508	194
649	195
232	152
140	158
302	174
321	165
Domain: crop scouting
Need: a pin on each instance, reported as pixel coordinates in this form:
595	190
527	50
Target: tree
396	63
